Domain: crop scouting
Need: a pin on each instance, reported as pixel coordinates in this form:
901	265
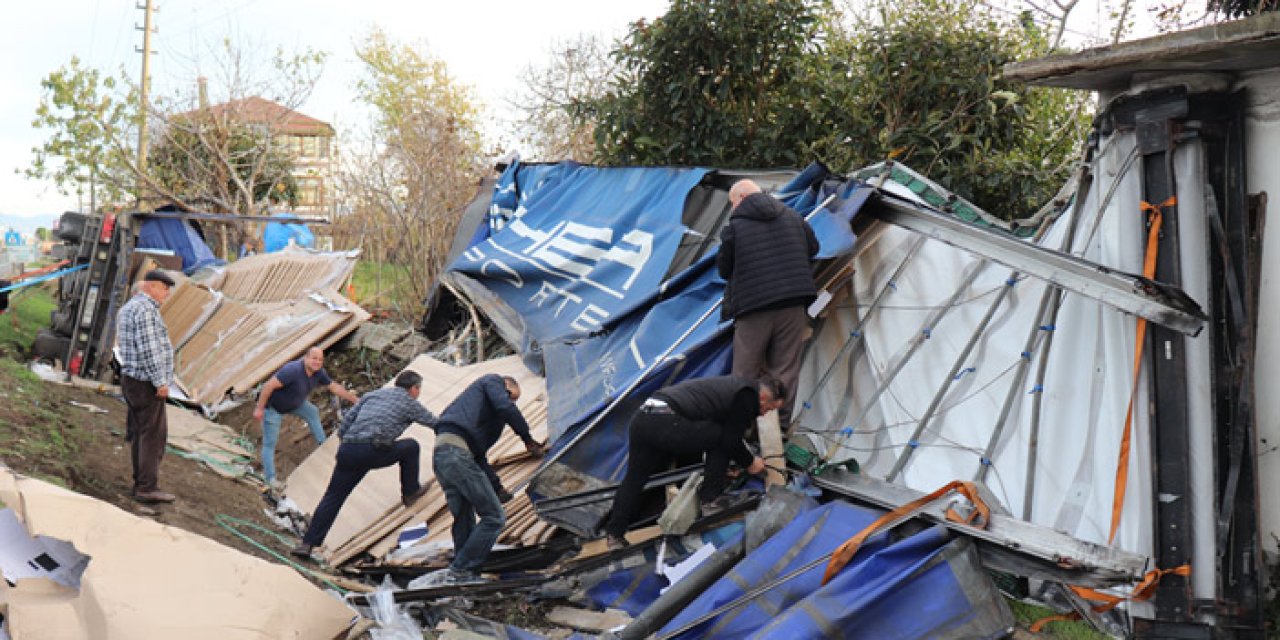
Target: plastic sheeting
1084	395
580	255
180	237
277	234
927	585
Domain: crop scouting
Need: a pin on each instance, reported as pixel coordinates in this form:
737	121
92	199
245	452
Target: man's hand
162	392
757	466
259	413
535	449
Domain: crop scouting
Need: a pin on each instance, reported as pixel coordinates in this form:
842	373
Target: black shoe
615	543
302	551
717	506
408	500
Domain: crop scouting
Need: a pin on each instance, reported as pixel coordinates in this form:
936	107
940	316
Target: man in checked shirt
369	436
146	369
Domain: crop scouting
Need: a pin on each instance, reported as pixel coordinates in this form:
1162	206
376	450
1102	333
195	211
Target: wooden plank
771	447
587	620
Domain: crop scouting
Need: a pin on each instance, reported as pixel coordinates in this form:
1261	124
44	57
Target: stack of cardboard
274	308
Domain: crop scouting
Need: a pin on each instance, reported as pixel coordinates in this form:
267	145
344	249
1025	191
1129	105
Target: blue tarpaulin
927	585
178	236
581	253
277	234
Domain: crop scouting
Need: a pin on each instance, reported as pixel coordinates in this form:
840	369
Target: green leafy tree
925	87
43	234
409	177
1242	8
210	159
716	82
91	118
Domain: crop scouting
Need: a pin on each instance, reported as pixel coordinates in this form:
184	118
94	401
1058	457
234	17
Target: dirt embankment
44	434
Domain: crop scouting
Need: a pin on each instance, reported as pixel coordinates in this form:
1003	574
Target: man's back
765	256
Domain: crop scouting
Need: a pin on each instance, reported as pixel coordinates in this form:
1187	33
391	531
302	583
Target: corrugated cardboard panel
149	581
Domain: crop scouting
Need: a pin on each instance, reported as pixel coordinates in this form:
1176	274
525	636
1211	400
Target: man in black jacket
766	255
704	415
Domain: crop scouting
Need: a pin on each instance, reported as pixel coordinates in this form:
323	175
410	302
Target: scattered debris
87	407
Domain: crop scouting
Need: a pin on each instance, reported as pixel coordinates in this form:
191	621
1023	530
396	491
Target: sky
485	44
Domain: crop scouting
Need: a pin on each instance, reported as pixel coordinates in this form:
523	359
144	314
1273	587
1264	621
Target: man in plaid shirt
146	368
369	436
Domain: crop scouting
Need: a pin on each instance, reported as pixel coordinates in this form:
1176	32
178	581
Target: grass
28	313
34	430
383	286
1027	614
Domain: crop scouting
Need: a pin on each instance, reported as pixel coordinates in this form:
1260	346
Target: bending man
465	432
286	392
704	415
369	435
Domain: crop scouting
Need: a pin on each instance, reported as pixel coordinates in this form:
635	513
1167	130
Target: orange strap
979	517
39	272
1155	218
1106	602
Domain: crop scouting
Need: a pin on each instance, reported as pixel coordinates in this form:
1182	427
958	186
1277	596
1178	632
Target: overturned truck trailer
1091	365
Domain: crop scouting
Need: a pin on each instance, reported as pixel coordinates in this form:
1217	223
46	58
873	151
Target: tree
926	88
211	159
410	177
716	82
91	118
556	98
1242	8
43	234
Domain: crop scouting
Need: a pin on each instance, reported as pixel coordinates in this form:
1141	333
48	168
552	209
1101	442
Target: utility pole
144	90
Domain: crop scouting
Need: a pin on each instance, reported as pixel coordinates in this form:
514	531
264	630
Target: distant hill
27	224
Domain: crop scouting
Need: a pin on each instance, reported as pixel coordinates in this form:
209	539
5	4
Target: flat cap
156	275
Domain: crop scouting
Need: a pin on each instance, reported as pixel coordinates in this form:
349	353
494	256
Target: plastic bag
393	622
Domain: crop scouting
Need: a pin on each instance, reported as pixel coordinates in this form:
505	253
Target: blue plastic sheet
571	249
580	253
908	588
178	236
277	234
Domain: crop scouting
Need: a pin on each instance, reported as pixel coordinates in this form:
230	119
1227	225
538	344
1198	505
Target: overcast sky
485	43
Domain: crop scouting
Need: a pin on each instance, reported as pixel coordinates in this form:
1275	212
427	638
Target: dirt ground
44	435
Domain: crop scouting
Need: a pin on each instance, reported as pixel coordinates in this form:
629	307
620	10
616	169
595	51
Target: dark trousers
354	461
470	494
654	440
147	430
772	342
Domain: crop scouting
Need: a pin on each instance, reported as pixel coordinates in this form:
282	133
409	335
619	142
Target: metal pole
905	456
857	337
915	343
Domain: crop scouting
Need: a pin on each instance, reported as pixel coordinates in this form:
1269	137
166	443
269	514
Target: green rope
231	522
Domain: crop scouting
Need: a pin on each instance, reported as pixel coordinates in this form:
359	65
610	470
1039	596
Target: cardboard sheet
148	581
216	445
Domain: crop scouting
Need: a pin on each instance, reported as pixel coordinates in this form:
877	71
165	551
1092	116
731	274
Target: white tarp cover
149	581
1086	387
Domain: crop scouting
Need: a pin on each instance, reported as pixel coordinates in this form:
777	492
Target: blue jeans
469	493
271	433
353	462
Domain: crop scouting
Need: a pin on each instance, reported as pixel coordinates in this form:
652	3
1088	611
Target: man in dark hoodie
465	431
766	256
